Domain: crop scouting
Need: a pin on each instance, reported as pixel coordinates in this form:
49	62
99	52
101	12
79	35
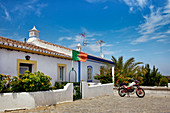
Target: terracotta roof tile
24	45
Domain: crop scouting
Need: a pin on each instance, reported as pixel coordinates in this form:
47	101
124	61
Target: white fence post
113	76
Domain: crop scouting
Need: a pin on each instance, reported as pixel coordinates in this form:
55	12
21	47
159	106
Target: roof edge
99	59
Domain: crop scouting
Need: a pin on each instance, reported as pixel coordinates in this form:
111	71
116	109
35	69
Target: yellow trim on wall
28	62
65	66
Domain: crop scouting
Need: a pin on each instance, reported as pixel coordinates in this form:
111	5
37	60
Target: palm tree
128	69
152	77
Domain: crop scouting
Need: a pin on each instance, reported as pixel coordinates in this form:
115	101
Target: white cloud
143	38
29	7
108	52
95	1
168	31
167	7
135	3
31	2
62	38
152	22
158	53
39	8
142	3
91	39
149	30
89	34
73	45
94	47
125	29
5	13
131	9
158	37
135	50
162	40
78	38
107	45
63	29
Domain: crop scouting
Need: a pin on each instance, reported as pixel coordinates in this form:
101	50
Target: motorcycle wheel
140	93
121	92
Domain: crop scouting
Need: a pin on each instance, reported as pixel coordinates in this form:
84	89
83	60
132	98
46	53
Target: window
61	72
89	73
23	65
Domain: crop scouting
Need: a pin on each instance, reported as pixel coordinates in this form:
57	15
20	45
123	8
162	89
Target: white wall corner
113	76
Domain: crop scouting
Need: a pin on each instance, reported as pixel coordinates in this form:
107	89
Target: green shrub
5	83
30	82
163	81
104	78
105	75
76	93
60	85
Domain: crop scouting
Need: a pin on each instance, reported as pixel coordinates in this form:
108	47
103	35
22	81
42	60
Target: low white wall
96	90
28	100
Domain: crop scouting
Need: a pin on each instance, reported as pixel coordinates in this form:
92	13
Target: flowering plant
5	83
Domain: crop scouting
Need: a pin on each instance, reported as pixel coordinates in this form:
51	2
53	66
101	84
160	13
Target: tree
127	70
153	77
105	75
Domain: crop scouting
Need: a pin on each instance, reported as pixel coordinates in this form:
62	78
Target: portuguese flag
79	56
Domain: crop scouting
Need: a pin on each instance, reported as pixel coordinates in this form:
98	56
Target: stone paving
108	104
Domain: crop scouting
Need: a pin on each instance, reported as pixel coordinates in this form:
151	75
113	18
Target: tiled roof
23	46
54	44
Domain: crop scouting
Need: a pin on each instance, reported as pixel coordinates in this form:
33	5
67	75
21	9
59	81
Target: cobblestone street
109	104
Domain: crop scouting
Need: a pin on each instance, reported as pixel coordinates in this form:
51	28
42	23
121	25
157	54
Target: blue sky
130	28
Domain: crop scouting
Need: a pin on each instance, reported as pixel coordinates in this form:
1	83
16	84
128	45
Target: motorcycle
124	89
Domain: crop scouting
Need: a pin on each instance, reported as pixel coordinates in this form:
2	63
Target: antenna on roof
84	42
100	42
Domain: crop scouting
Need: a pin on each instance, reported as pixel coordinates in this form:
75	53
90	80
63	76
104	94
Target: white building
51	59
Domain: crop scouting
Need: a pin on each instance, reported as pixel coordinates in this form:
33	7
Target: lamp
27	57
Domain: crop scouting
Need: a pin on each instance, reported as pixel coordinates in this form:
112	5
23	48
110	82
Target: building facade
51	59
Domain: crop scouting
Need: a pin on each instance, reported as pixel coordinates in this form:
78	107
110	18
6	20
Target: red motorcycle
124	89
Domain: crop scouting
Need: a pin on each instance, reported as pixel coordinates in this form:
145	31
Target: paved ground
109	104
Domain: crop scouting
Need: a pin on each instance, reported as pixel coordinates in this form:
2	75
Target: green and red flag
79	56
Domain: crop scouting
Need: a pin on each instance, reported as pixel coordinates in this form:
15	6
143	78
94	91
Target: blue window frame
89	73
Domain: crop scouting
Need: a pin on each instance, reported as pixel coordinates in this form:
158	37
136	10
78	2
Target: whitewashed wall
96	90
28	100
45	64
96	68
